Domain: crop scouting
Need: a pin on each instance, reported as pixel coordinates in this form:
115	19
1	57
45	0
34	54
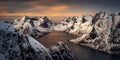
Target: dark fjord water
81	52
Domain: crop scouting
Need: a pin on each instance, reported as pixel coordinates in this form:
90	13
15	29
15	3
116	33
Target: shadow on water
81	52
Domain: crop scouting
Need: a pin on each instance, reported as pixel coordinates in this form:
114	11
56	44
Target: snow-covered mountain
16	46
63	25
81	24
99	32
35	27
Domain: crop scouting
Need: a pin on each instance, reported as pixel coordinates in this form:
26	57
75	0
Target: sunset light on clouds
55	7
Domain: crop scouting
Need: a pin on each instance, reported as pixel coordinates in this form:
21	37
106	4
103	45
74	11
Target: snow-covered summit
36	26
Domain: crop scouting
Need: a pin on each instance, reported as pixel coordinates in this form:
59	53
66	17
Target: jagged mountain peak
34	26
24	18
87	17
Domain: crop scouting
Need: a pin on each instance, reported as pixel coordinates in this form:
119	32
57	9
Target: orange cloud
47	10
42	10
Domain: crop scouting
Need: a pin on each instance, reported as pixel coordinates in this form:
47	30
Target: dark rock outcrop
61	52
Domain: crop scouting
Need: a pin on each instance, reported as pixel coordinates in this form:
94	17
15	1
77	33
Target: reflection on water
54	37
81	52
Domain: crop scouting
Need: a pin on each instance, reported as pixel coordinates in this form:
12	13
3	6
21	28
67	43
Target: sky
56	7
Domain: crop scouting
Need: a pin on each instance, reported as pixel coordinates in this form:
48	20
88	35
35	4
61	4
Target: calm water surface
81	52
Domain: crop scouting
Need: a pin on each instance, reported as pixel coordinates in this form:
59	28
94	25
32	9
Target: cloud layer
56	7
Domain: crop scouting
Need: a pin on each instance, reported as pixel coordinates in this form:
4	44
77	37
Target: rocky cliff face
35	27
16	46
100	32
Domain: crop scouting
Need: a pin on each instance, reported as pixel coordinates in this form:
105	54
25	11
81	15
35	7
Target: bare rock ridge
17	46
